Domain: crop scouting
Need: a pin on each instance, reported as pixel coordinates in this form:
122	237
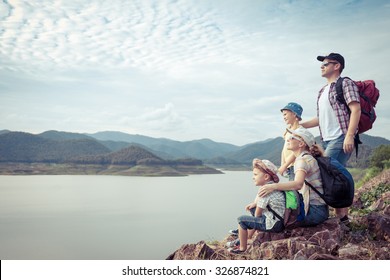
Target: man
337	126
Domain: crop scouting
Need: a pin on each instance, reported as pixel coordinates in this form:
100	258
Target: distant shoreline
104	169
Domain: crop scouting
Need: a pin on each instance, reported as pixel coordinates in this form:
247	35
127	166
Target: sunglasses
327	63
295	137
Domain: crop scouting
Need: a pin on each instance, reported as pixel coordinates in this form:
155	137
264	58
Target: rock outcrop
369	238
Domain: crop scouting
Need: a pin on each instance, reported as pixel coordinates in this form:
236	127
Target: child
292	114
264	172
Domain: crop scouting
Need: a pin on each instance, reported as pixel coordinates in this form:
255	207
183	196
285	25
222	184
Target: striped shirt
351	93
308	164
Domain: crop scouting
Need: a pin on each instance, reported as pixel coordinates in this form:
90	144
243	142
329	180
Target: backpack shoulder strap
340	93
312	187
274	212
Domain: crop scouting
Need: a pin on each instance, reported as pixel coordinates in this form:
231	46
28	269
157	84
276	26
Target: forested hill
130	156
57	146
20	147
269	149
365	150
25	147
61	135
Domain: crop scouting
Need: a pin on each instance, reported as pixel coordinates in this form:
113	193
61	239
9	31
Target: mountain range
114	147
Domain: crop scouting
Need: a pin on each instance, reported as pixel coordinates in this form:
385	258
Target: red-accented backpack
369	96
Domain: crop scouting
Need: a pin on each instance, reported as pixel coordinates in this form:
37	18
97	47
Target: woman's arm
297	184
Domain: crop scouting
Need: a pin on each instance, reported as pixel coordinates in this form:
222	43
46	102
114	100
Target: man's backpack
337	183
369	96
295	210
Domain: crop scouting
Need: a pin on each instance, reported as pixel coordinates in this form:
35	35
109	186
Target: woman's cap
304	134
295	108
268	167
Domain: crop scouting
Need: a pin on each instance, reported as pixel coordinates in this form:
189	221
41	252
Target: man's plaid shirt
351	93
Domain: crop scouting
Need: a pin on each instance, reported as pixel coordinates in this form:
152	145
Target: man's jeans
334	149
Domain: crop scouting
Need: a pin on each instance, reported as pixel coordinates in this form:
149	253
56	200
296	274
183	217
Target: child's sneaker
233	232
236	250
233	243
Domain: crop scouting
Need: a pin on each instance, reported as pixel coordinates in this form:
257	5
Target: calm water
115	217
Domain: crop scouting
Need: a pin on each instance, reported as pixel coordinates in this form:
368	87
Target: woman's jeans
316	215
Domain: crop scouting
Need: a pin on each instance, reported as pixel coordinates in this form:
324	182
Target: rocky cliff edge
368	240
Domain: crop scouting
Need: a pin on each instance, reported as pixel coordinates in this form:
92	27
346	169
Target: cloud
164	119
216	69
122	34
160	114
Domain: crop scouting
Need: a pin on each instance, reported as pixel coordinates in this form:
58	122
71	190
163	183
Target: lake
116	217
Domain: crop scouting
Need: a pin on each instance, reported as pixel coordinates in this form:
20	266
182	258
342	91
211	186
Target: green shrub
368	198
380	157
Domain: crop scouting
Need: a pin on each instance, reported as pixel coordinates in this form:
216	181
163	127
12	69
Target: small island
13	168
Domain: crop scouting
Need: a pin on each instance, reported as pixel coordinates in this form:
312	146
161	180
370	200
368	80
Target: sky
183	70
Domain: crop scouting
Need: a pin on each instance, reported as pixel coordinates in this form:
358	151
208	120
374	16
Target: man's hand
349	143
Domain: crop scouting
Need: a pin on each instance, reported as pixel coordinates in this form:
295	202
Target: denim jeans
316	215
334	149
258	223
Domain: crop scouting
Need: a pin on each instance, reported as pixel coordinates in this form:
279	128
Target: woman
301	142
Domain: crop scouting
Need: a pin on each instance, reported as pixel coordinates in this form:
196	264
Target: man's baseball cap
333	56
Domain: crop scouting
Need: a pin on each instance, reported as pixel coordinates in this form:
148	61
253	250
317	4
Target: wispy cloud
217	69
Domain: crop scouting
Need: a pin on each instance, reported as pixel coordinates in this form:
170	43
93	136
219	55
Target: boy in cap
292	114
338	123
264	172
